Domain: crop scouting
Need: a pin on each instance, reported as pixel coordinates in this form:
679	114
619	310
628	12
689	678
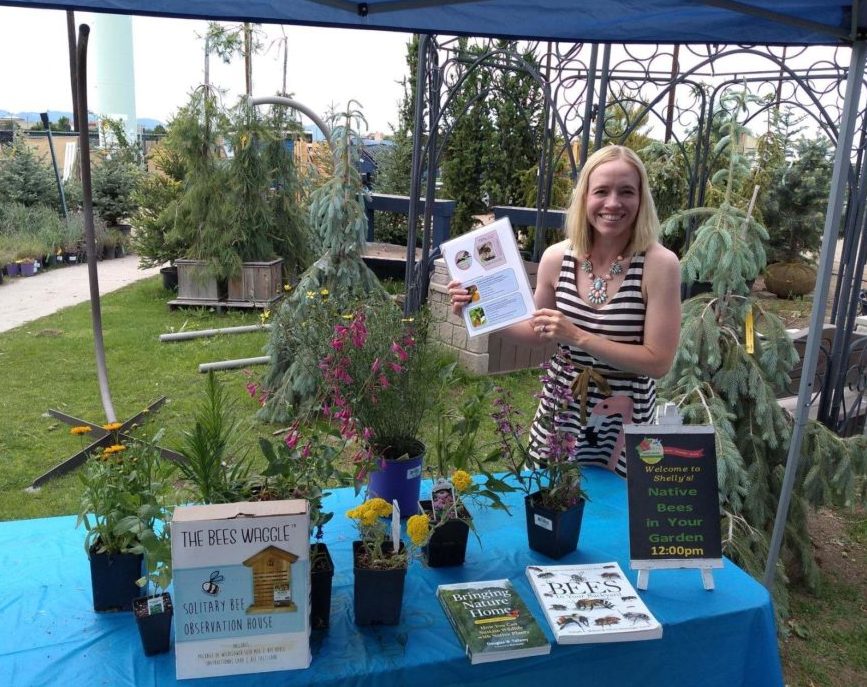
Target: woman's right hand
458	296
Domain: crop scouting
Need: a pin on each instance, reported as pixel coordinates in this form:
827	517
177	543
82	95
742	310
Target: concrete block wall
488	353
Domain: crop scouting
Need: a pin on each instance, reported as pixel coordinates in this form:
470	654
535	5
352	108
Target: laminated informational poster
487	262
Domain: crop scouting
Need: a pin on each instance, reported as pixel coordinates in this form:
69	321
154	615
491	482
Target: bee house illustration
272	580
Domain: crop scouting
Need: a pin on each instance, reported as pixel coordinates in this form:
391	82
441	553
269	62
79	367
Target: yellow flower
369	518
114	448
461	480
408	319
311	294
81	429
417	527
354	513
263	318
323	291
112	426
347	317
381	507
287	287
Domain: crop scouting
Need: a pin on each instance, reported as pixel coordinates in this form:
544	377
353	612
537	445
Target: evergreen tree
725	376
394	166
516	107
25	177
794	207
463	168
339	222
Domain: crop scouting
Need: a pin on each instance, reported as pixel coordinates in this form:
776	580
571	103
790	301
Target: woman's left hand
552	325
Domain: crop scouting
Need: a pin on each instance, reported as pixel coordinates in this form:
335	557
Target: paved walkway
24	299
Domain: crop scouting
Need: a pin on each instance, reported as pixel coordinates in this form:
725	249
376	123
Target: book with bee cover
492	621
591	603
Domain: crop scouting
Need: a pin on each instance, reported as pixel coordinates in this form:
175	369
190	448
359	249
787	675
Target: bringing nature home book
492	621
591	603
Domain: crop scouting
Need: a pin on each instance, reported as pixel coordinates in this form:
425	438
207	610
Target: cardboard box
241	588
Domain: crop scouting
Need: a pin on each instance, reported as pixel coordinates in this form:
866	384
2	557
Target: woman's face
613	199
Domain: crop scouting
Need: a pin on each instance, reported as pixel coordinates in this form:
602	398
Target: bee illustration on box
212	586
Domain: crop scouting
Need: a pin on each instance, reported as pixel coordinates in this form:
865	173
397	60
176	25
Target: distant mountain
54	115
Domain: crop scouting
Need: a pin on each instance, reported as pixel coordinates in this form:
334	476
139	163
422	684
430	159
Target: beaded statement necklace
598	293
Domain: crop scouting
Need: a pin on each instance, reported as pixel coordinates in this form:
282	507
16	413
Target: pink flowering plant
382	376
302	465
553	472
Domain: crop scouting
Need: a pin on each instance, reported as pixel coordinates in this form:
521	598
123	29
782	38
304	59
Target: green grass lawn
49	363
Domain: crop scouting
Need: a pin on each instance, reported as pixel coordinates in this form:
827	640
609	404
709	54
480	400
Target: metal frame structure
642	82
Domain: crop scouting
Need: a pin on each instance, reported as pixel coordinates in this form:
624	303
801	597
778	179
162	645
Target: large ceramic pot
400	480
553	533
153	615
790	279
321	578
447	545
378	594
113	580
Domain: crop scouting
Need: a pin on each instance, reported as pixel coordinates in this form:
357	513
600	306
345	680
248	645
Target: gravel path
24	299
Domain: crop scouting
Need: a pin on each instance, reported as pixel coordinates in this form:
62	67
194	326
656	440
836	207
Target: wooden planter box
194	284
259	283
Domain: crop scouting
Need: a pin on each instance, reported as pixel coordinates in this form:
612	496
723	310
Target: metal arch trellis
678	88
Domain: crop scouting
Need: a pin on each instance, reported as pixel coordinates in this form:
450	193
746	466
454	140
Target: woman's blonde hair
646	228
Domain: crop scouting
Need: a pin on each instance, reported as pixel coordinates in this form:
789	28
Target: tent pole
415	179
90	240
829	239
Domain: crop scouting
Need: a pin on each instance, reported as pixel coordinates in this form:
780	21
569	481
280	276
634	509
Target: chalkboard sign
674	518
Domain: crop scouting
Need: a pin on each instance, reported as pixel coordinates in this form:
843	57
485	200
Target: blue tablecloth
51	636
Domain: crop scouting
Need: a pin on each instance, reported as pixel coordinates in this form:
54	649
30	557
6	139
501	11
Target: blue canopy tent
768	22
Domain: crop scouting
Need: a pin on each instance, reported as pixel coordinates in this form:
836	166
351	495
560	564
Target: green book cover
492	621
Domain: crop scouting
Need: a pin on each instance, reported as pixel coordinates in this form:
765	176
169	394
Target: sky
326	66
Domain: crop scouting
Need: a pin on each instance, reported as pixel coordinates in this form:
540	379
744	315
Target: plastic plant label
412	473
543	522
155	606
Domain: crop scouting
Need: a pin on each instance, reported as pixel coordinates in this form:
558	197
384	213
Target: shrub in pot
455	451
793	209
118	482
303	466
554	500
154	612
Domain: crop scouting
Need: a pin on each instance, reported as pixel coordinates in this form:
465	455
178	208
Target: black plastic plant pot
378	594
153	615
552	533
321	576
447	546
170	277
112	579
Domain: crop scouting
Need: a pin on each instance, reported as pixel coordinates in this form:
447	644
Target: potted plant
554	500
157	196
244	210
453	453
153	613
118	482
380	561
213	470
300	467
151	526
383	374
793	210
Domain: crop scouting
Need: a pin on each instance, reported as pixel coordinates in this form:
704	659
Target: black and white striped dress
620	319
